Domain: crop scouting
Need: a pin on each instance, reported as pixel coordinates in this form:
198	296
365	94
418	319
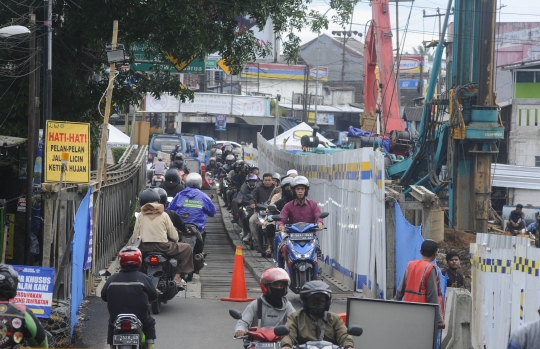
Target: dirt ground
458	241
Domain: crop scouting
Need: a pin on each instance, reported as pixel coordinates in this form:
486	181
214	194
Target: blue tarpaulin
408	242
79	246
383	141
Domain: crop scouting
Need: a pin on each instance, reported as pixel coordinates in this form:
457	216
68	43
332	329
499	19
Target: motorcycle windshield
301	247
301	227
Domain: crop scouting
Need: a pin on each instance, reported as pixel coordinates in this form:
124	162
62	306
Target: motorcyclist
279	200
192	205
235	178
157	233
172	184
272	305
218	156
212	165
227	149
245	190
276	178
130	292
314	322
175	151
175	218
159	167
301	209
260	195
20	326
179	163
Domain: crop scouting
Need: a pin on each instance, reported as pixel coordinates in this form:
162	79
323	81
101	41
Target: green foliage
117	153
186	29
281	110
423	51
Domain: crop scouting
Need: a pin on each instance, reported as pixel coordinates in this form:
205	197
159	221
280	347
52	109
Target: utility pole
32	132
439	14
346	35
47	72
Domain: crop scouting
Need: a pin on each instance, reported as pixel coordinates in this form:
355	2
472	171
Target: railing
117	201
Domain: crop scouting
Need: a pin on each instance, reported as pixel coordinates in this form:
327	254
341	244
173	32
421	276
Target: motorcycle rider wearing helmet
300	209
159	166
241	196
212	165
130	292
20	324
279	200
218	154
276	178
175	151
272	305
172	184
314	322
236	179
179	163
157	233
192	205
260	195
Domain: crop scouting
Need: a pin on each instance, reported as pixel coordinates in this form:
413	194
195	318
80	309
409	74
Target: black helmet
314	287
9	280
162	196
148	195
172	175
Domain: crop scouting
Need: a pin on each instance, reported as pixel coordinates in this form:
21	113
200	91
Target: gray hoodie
271	317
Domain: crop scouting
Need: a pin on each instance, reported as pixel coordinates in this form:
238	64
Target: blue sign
221	122
408	84
35	289
89	233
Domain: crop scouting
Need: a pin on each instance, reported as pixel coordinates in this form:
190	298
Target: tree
423	51
183	29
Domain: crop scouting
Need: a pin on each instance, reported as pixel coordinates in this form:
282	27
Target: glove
269	218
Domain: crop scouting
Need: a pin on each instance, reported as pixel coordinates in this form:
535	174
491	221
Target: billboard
410	64
517	42
283	71
213	103
72	138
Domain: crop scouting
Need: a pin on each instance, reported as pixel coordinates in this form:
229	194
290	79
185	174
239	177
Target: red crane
381	94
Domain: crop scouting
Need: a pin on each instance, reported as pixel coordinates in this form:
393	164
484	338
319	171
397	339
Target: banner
322	119
211	103
35	289
73	138
89	233
165	104
221	122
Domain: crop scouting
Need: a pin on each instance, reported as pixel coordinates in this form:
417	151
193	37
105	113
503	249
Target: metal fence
117	203
505	288
349	185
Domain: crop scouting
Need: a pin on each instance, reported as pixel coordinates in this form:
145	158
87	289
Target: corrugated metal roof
512	176
413	113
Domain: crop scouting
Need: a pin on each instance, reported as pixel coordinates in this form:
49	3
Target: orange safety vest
416	283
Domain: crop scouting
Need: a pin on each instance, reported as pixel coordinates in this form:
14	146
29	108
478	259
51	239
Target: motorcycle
257	337
223	186
260	211
127	328
209	178
161	269
300	252
283	330
157	179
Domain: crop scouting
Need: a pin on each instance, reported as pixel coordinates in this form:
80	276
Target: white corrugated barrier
349	185
505	288
251	155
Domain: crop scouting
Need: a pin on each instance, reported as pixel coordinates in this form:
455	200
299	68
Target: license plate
127	339
301	236
263	345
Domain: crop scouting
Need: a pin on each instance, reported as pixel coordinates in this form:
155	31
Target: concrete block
458	319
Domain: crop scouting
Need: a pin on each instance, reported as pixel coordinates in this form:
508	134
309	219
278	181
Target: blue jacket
194	202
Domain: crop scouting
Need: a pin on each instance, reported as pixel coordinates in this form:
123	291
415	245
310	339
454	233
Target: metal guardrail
118	197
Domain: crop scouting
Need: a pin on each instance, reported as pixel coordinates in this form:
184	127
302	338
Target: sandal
269	252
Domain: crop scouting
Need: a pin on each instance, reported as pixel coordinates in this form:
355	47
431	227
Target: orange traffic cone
238	286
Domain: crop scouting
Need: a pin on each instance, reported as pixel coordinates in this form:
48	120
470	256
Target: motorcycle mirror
104	272
272	208
355	331
235	314
324	214
277	218
281	330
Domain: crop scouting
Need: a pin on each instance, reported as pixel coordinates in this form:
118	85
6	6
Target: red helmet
272	275
130	256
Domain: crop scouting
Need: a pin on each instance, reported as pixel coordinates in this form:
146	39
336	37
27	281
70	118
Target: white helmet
230	157
300	180
219	152
194	180
276	176
287	181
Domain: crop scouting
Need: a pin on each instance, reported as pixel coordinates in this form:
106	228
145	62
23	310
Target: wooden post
103	146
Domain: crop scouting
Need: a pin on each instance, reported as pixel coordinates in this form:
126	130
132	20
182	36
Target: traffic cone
238	286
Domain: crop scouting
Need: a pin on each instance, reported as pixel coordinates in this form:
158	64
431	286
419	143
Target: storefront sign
35	289
67	137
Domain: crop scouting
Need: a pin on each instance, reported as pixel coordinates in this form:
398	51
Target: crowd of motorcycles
299	257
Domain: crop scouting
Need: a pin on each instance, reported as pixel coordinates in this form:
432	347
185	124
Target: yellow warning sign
222	63
72	138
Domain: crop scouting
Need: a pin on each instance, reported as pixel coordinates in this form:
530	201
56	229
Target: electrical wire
12	105
111	81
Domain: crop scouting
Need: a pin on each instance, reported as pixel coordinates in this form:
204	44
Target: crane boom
380	95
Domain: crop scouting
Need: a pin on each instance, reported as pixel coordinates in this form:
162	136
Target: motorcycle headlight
297	255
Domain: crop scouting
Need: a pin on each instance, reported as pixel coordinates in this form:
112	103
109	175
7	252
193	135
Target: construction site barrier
505	288
349	185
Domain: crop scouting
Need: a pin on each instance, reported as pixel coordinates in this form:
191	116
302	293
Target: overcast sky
420	28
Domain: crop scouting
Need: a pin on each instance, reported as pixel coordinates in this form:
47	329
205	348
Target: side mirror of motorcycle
104	272
235	314
324	214
355	331
281	330
277	218
272	209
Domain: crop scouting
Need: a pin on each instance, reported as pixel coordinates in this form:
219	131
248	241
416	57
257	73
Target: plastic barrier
505	287
349	185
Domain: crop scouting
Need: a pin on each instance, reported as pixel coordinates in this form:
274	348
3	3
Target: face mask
275	297
288	194
316	306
